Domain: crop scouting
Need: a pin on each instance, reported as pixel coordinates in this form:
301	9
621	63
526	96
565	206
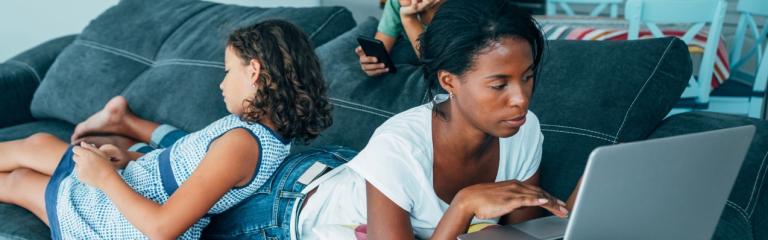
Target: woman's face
239	82
493	95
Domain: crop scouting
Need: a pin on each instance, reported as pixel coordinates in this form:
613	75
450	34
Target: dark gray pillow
165	57
745	212
361	103
594	93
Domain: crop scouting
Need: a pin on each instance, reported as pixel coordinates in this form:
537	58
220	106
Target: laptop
667	188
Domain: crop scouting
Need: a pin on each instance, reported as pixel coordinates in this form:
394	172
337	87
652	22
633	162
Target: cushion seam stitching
762	180
363	106
576	128
626	115
577	133
361	110
27	67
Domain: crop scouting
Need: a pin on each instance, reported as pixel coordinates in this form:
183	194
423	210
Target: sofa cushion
594	93
164	56
25	225
745	212
21	75
60	129
361	103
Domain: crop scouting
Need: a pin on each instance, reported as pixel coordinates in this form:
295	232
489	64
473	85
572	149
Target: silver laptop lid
670	188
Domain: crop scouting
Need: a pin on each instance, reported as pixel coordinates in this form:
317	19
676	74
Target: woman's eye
500	86
226	72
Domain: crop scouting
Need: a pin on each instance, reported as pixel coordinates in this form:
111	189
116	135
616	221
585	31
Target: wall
361	9
27	23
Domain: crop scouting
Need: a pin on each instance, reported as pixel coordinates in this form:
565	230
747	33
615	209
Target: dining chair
744	93
601	5
697	13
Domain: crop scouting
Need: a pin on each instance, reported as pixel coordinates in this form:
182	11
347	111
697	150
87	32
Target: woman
434	170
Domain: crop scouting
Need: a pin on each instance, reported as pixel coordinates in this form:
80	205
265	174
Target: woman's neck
457	137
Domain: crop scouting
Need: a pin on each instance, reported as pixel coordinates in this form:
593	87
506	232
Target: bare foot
118	141
110	120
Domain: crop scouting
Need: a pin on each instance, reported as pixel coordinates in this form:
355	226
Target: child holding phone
401	17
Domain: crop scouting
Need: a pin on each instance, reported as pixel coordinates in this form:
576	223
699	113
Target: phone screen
375	48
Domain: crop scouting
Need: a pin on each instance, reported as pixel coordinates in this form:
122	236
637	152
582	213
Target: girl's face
493	95
239	82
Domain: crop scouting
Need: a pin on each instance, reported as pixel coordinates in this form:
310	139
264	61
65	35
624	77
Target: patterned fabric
141	148
164	136
85	212
565	32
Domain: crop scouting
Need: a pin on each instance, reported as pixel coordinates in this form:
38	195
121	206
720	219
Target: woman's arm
229	162
572	198
386	220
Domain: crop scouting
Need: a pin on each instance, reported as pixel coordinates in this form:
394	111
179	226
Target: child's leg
25	188
40	152
116	118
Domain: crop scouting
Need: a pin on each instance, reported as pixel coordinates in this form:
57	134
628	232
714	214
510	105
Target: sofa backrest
165	56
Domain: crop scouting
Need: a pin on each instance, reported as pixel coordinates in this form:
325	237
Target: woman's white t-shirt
398	162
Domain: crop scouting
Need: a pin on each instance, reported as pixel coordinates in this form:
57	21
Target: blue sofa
166	58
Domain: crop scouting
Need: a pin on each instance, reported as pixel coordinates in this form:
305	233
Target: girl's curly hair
291	86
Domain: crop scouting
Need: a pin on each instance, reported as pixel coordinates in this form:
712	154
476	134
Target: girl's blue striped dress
78	211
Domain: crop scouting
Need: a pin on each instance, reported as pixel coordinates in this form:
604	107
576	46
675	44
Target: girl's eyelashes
226	71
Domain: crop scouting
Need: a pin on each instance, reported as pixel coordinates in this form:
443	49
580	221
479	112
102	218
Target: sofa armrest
21	75
746	213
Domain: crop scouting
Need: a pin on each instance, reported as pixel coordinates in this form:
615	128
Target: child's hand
370	65
412	7
92	166
118	157
117	140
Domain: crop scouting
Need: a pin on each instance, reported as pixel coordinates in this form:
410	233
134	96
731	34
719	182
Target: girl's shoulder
232	121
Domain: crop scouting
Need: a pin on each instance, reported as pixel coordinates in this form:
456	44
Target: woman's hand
370	65
92	165
413	7
497	199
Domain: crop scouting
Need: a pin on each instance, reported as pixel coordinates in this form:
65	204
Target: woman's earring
450	95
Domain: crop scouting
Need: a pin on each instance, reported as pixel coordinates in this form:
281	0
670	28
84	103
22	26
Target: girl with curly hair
275	93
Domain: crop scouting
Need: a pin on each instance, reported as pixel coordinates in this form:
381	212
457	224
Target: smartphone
375	48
